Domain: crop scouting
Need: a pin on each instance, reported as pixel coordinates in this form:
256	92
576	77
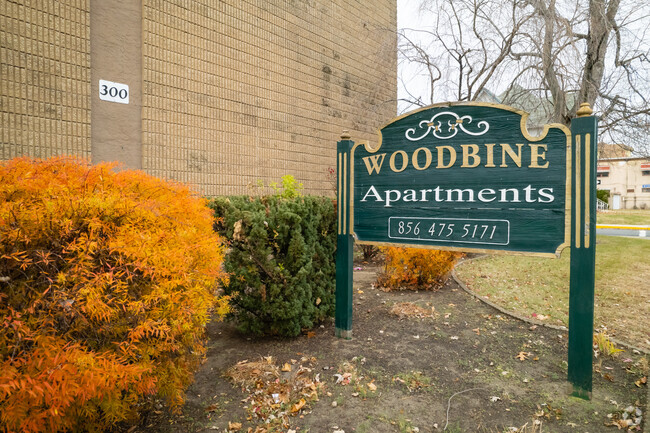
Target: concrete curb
622	227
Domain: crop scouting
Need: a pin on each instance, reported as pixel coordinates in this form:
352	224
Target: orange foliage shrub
107	280
416	268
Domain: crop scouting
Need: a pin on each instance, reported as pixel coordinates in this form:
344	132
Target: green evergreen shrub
603	194
281	261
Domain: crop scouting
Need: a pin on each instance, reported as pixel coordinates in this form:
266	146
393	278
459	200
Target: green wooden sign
464	177
470	177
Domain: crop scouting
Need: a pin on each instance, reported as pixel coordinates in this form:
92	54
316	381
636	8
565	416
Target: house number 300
113	92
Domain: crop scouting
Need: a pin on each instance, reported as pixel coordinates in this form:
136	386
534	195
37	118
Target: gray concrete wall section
116	55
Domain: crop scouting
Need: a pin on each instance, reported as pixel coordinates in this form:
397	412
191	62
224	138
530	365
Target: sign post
583	252
470	177
344	241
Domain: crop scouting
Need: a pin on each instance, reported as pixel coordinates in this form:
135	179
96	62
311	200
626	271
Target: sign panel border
524	131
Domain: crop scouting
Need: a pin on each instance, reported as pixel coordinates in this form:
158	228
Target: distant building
220	93
627	178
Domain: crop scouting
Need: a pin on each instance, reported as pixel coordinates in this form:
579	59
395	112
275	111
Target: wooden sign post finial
584	110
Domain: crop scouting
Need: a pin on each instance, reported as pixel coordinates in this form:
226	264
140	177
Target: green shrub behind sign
281	261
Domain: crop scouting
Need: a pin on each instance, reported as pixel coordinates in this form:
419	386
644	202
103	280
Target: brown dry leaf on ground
522	356
234	426
642	381
247	373
350	373
212	408
297	406
274	393
258	429
405	310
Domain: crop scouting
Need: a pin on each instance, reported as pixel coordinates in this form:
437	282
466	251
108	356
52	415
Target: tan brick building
625	177
221	93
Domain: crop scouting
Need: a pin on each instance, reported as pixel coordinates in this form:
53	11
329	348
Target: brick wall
44	78
233	91
250	90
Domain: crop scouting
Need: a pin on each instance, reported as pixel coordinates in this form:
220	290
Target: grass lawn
627	216
539	287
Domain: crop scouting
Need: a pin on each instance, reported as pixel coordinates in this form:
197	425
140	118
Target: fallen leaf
642	381
477	330
343	379
311	334
608	376
494	399
522	356
623	423
318	301
234	426
286	367
372	386
212	407
296	407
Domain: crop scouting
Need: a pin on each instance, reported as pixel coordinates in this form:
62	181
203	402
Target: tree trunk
601	23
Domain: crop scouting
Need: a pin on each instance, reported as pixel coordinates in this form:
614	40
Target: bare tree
544	56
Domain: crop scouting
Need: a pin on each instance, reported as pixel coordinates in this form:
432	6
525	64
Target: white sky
408	16
636	18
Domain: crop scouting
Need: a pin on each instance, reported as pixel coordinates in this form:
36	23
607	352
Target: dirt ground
461	365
